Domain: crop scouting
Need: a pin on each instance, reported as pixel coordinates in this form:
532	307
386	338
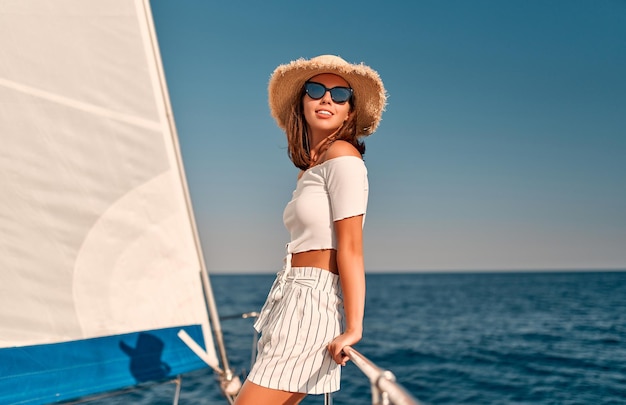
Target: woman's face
324	114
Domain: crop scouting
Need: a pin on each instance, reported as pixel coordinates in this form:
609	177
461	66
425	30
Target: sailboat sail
99	260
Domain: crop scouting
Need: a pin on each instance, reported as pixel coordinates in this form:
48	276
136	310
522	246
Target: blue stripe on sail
55	372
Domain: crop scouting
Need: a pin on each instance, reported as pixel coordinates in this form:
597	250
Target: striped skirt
302	315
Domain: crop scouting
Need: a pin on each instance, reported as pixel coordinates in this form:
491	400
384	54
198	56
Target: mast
226	377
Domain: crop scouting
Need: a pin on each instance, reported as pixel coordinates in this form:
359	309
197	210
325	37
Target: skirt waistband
308	277
313	277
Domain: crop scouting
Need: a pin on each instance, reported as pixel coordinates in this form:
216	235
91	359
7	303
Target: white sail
99	261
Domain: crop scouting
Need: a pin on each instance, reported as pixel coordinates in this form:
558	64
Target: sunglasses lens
340	94
315	90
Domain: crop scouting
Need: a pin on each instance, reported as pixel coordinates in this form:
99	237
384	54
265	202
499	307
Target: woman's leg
252	394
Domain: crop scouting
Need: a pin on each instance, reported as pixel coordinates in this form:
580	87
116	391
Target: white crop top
333	190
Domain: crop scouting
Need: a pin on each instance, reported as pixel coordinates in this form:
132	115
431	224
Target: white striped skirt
302	315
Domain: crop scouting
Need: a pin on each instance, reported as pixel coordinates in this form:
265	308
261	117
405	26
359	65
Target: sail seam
80	105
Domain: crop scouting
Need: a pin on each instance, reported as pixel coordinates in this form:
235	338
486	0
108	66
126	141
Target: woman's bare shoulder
341	148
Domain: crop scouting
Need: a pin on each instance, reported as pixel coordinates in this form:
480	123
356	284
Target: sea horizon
213	272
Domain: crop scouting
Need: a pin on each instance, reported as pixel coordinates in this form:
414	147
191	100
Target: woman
315	308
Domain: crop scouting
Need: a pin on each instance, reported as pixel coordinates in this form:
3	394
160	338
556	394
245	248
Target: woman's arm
351	267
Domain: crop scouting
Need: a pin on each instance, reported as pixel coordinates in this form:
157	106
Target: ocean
479	338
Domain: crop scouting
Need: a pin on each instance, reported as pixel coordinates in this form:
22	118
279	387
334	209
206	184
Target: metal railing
385	389
123	391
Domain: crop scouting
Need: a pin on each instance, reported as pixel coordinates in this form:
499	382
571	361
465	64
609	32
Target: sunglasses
338	94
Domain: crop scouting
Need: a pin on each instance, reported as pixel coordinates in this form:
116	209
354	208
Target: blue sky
503	146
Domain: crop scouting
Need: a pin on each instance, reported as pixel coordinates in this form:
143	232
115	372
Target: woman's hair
298	147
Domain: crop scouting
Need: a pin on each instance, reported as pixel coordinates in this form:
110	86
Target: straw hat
369	93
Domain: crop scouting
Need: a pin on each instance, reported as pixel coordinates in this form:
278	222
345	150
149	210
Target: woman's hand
336	346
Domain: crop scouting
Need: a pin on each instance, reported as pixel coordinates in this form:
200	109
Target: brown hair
297	137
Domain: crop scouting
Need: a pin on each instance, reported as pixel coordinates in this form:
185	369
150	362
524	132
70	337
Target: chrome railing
385	389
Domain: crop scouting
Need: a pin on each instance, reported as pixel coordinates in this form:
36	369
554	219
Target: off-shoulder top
335	189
